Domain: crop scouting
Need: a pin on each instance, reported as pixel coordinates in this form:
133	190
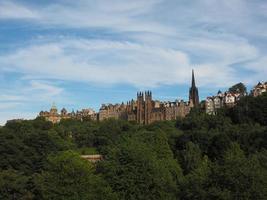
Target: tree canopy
201	156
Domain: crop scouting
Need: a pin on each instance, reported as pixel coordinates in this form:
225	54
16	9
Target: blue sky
82	53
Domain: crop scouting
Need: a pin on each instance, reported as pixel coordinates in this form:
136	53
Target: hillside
199	157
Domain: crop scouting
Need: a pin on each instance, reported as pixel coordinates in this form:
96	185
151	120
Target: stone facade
259	89
226	99
143	110
193	92
55	117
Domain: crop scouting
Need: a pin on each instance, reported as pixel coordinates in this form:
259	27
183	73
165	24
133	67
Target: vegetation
198	157
238	88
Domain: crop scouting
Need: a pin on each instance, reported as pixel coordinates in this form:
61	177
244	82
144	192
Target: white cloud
163	46
8	98
257	69
82	60
11	10
113	62
45	88
117	15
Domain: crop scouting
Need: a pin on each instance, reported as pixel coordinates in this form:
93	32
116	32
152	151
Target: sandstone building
55	117
259	89
143	110
226	99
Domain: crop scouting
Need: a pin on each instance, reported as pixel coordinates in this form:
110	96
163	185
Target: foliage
250	109
14	185
238	88
198	157
67	176
135	171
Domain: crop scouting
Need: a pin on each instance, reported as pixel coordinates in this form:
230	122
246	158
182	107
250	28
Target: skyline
84	53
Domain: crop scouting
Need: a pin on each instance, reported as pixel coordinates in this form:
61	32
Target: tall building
143	110
144	107
193	92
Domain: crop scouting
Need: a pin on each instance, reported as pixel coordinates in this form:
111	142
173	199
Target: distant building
193	92
143	110
55	117
229	99
212	104
226	99
259	89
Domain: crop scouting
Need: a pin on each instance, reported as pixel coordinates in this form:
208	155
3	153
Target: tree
27	152
243	177
190	157
69	177
250	109
14	185
134	170
238	88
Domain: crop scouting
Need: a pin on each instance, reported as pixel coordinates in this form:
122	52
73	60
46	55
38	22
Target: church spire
193	79
193	92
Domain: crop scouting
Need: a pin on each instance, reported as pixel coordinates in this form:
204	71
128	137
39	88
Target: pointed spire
193	79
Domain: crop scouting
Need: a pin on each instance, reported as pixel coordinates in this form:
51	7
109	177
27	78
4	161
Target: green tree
135	171
69	177
238	88
250	109
244	177
190	157
14	185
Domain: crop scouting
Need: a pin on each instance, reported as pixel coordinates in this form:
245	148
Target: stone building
259	89
193	92
226	99
55	117
143	110
52	115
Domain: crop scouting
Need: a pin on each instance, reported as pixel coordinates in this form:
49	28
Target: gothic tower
193	92
140	108
148	107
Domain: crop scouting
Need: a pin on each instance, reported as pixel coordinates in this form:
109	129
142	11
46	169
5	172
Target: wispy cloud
113	62
16	101
12	10
140	43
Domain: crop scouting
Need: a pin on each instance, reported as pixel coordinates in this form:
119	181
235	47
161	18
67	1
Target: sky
82	53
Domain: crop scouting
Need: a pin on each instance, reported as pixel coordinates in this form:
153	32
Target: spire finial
193	79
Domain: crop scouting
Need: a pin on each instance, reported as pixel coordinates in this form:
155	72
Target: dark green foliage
243	177
137	170
238	88
27	152
250	109
199	157
14	185
69	177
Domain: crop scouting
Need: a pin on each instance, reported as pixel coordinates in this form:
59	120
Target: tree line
201	156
